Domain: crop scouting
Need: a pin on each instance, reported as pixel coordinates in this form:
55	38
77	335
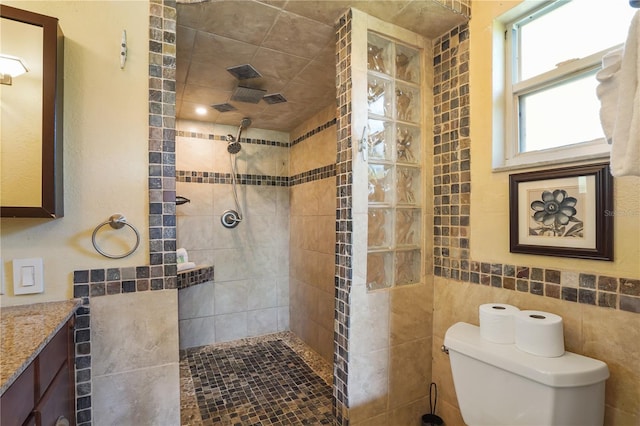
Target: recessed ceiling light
201	110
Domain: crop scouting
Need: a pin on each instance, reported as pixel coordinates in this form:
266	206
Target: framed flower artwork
562	212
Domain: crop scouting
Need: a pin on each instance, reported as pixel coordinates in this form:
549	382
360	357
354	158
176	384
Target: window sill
553	162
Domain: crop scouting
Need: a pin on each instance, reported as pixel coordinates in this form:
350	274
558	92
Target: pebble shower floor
259	381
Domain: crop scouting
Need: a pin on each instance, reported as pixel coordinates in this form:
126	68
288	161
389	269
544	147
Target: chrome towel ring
116	221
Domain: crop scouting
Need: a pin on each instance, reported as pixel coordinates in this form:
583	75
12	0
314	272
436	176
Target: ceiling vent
244	72
224	107
275	98
247	94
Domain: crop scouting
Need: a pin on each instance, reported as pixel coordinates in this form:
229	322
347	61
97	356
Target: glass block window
394	140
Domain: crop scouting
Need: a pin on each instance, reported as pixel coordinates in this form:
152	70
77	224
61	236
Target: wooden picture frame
565	212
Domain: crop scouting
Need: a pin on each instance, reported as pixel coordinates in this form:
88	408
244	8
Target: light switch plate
28	276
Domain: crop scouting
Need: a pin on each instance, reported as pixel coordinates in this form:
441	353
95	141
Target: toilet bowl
498	384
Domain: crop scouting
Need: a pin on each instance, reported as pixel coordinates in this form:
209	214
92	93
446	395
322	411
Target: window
552	55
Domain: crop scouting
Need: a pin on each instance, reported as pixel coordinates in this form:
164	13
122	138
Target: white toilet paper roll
539	333
497	323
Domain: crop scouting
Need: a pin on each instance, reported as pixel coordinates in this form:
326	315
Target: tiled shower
274	271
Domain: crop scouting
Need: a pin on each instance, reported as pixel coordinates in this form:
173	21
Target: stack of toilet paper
535	332
182	259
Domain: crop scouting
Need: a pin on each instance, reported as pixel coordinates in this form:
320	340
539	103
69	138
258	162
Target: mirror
31	115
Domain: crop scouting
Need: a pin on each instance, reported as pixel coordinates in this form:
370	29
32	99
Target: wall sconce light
11	66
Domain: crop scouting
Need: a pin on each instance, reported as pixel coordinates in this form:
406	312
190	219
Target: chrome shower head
246	122
233	147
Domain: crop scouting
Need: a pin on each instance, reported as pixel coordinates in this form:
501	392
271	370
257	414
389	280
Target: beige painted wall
105	147
606	334
489	197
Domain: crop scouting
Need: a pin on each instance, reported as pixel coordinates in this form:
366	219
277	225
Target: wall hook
363	145
123	49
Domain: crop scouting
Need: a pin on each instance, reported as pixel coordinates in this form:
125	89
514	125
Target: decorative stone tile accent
226	178
195	276
314	132
344	237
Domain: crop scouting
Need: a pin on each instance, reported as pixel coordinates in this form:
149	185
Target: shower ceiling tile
211	76
204	95
277	64
221	51
323	11
185	37
242	20
310	37
182	68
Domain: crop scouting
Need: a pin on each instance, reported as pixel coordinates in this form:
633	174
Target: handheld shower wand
231	218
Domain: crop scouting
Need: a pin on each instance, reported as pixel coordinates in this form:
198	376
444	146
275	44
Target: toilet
498	384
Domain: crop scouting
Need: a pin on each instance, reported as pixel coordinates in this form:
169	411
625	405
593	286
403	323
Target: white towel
185	266
625	147
181	256
607	90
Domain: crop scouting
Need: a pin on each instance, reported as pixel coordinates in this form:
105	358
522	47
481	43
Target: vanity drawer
56	402
17	402
52	357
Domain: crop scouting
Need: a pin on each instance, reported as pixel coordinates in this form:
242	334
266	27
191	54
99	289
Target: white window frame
506	139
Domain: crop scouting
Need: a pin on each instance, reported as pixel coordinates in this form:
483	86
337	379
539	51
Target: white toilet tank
498	384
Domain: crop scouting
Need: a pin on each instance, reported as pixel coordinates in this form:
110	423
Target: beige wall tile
411	313
409	372
368	384
117	399
133	331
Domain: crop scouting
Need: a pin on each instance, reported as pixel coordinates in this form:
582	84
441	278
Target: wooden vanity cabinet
44	395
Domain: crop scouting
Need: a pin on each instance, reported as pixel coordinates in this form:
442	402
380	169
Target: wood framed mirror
31	122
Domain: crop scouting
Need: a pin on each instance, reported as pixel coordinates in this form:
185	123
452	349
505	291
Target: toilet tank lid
564	371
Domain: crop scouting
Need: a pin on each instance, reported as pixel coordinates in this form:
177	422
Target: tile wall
250	296
312	239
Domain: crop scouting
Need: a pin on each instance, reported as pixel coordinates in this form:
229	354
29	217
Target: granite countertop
25	330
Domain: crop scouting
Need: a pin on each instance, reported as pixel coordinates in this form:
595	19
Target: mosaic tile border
195	276
161	272
226	178
313	175
452	193
314	132
319	173
214	137
344	218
